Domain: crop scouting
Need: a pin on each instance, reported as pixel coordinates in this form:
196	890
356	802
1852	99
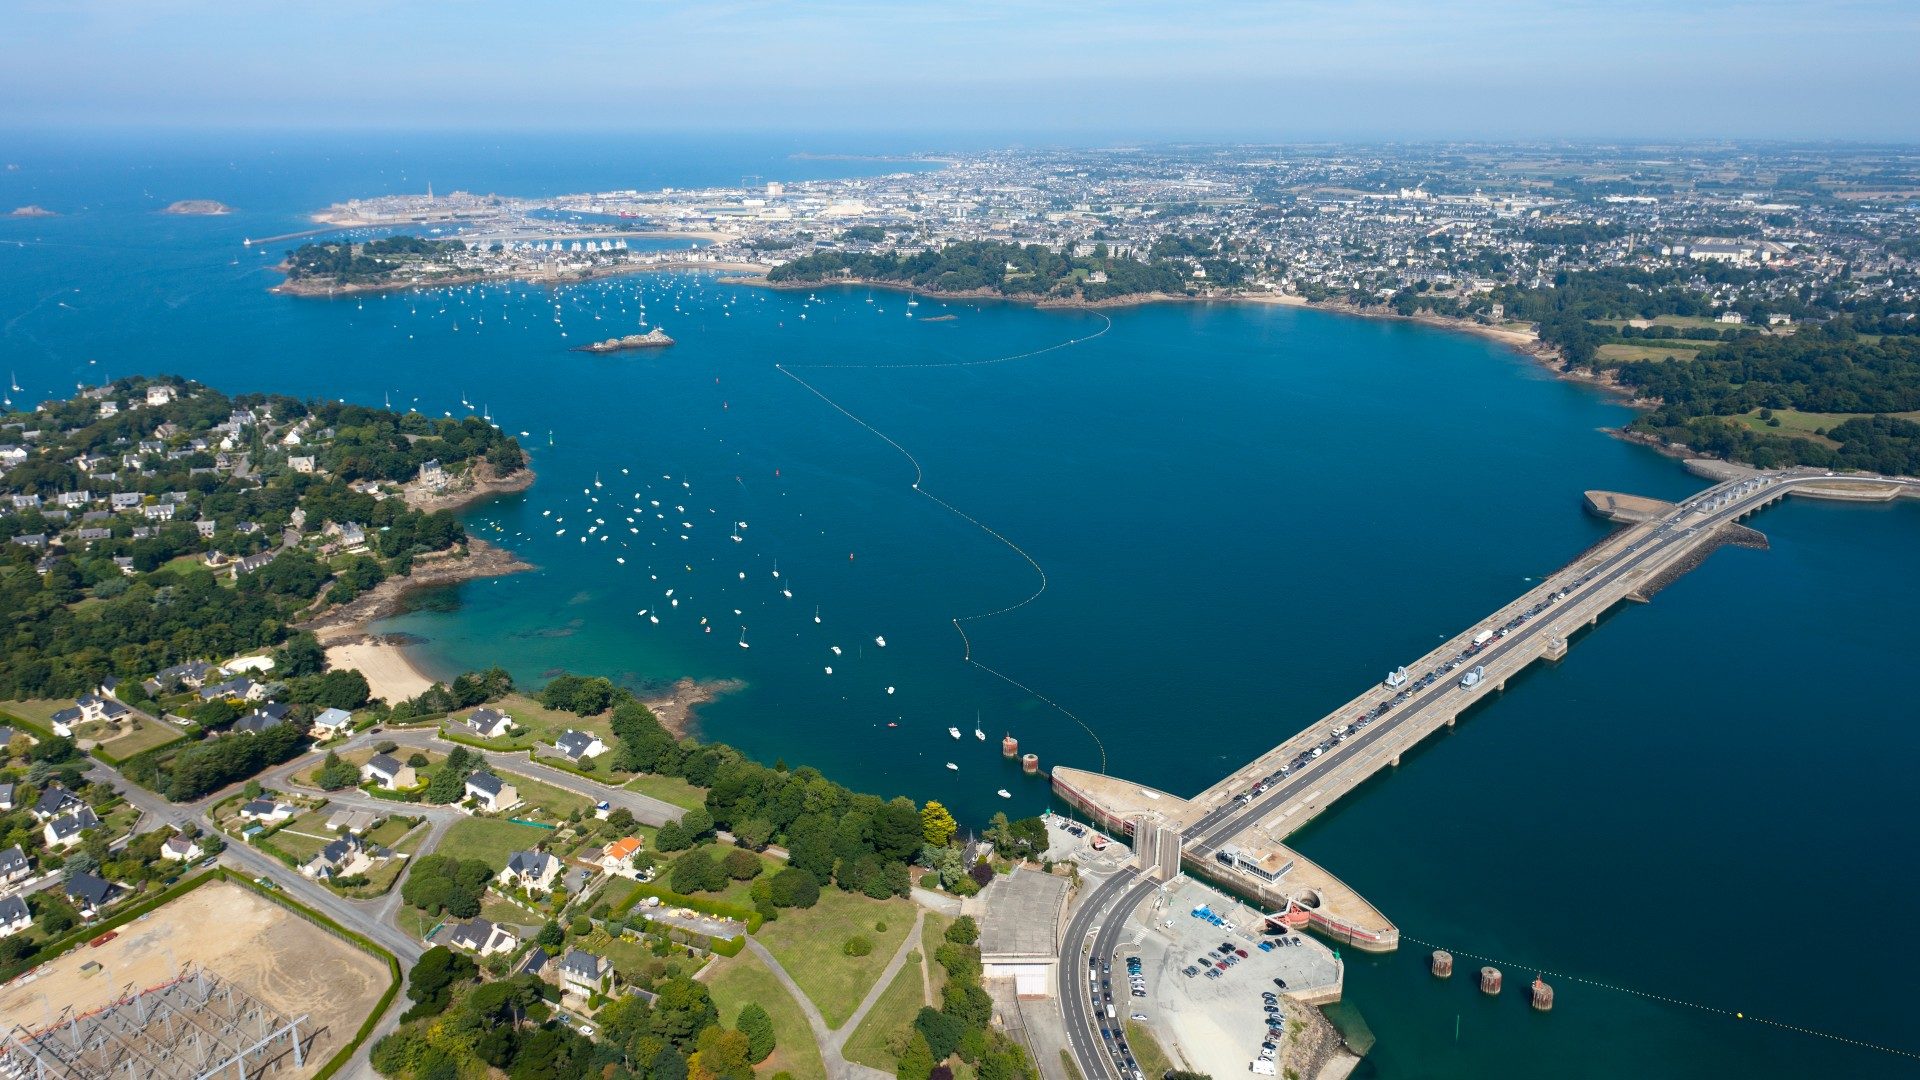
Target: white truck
1482	638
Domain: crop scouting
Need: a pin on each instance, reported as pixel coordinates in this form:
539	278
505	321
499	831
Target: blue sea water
1241	515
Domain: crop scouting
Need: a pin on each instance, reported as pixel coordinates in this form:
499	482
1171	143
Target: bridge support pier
1556	648
1451	719
1395	761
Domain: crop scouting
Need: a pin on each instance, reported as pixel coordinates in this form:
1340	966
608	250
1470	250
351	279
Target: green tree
336	773
793	888
916	1063
742	865
937	824
757	1026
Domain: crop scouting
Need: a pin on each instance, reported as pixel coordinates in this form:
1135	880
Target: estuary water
1241	515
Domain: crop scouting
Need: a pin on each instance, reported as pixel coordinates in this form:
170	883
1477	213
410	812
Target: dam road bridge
1233	831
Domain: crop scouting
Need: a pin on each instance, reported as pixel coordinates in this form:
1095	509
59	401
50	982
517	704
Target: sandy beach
389	671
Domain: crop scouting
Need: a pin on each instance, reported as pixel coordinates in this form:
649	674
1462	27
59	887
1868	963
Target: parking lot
1214	1024
1070	840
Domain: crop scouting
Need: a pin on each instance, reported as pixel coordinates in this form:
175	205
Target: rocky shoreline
436	570
655	338
675	708
479	485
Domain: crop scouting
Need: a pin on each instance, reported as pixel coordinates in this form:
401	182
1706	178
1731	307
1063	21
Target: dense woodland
347	262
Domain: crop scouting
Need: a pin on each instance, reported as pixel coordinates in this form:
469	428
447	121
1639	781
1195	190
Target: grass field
1660	351
902	999
1146	1050
809	945
1795	422
488	840
740	979
895	1010
669	789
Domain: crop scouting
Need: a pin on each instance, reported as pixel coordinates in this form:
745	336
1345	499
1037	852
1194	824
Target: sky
1089	69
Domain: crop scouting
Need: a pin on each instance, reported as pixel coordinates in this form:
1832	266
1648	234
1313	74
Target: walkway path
833	1041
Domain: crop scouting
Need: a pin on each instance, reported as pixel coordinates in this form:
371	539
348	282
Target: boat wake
919	477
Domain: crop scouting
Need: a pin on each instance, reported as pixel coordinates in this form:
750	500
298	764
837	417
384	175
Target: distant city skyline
1373	69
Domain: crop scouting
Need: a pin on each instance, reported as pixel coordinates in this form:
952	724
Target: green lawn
542	725
1795	422
1146	1050
670	789
390	831
488	840
902	998
38	710
808	943
552	801
497	910
133	737
740	979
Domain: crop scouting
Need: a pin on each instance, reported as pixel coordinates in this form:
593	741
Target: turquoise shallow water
1243	515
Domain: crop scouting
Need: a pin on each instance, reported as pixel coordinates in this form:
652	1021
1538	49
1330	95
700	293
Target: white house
617	857
14	916
331	722
491	793
344	857
583	973
14	867
580	744
266	810
181	848
64	831
388	773
533	871
485	938
488	724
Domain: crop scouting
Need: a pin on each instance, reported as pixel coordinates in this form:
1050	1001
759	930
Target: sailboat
743	638
977	733
786	591
954	731
816	614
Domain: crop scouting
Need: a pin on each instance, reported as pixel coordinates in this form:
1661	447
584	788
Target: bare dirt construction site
260	948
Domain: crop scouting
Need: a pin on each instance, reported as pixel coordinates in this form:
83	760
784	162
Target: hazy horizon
1106	70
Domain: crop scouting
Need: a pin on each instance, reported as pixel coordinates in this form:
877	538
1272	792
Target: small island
198	208
32	211
655	338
